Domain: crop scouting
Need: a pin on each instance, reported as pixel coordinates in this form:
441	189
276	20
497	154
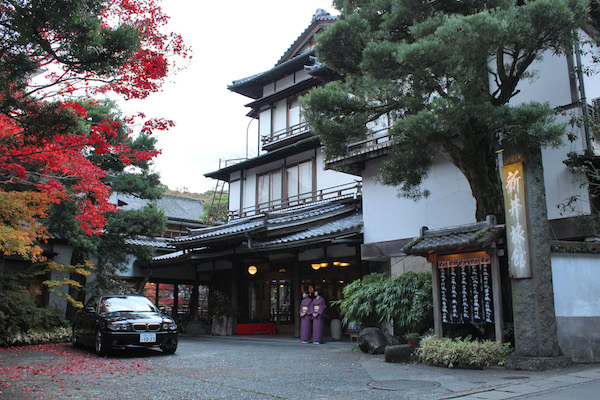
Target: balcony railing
347	191
376	141
279	136
372	141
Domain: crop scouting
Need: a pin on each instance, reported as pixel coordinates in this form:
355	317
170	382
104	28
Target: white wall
264	123
561	183
576	285
388	217
591	68
279	119
551	84
234	195
285	82
329	178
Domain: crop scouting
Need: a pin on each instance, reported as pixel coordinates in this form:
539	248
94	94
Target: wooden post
437	301
296	294
497	293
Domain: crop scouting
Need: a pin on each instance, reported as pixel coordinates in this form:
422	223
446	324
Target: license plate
147	337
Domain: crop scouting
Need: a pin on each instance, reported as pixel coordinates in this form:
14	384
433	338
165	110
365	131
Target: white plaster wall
576	284
590	78
129	270
264	123
329	178
235	193
388	217
551	82
280	118
285	82
561	184
400	265
302	75
269	89
249	189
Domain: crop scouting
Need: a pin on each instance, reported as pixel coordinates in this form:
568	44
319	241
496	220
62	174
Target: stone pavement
562	383
268	367
496	383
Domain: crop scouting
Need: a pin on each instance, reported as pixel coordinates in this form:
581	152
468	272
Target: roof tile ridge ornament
320	14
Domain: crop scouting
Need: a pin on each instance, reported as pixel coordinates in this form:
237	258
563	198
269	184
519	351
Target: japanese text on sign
516	221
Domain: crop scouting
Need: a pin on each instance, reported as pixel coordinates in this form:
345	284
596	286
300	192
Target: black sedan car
116	321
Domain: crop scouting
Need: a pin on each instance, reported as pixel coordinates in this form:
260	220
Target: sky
230	41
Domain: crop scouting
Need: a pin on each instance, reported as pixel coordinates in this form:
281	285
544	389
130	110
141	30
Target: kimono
306	320
317	310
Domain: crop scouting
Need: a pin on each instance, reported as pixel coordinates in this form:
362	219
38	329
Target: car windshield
126	303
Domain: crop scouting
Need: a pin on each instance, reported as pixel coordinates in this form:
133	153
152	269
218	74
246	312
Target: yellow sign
517	230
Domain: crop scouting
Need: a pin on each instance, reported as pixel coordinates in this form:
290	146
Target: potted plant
413	339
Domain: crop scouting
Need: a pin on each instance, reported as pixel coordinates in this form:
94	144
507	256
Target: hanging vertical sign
466	291
517	230
444	290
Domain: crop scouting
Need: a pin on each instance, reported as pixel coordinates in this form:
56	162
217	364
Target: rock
399	353
372	340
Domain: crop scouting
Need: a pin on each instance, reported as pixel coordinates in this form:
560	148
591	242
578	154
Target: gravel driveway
230	368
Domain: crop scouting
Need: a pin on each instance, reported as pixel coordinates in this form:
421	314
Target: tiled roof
174	207
157	243
234	228
452	238
284	216
298	227
319	16
170	256
288	63
344	226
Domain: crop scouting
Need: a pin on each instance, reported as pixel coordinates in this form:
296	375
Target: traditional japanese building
292	224
478	267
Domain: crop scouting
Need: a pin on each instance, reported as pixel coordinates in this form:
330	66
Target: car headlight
170	326
118	326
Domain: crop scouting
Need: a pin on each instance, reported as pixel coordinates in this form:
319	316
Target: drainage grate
402	384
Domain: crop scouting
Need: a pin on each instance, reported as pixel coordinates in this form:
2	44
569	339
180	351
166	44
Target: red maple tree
45	136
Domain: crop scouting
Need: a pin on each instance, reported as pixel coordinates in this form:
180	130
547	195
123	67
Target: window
269	187
294	113
300	181
296	186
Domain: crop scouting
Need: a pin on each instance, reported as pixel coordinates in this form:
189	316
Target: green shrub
461	352
56	335
360	299
19	315
407	300
374	299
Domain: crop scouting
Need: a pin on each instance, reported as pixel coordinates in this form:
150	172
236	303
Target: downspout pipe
583	99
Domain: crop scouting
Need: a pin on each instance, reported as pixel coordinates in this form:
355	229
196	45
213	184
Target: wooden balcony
284	136
375	145
337	193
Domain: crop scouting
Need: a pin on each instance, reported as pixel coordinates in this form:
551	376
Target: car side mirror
90	310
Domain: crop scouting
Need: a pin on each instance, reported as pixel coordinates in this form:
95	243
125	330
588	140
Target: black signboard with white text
466	291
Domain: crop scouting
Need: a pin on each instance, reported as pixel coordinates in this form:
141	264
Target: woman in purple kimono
317	309
305	317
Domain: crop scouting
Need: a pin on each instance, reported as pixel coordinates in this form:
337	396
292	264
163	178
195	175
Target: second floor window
300	180
287	186
269	187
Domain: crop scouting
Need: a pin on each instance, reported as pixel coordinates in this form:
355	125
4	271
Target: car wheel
169	349
99	346
74	338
